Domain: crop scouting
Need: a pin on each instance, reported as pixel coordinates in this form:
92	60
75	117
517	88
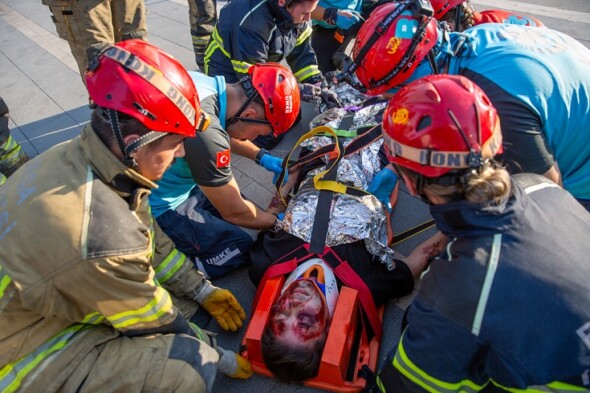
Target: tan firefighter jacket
78	248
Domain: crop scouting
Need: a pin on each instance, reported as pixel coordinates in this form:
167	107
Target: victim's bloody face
300	316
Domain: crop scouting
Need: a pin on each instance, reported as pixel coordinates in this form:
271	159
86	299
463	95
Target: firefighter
12	156
249	32
87	25
202	18
515	260
536	77
92	291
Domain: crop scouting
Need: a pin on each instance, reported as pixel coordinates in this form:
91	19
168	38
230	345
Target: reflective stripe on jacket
259	31
82	253
506	306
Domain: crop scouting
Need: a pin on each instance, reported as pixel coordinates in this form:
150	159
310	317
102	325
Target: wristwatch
259	156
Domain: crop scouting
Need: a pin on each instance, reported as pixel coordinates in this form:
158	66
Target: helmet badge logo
401	116
393	44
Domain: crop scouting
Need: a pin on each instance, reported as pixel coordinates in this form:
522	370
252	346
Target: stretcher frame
347	347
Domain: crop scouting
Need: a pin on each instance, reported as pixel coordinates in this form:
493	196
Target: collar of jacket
108	167
464	219
283	18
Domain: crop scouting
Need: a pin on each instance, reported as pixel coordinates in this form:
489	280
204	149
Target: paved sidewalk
48	105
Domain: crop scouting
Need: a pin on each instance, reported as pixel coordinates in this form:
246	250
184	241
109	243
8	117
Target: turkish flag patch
223	158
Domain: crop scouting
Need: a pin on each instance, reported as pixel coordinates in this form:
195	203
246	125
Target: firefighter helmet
441	7
279	90
441	123
392	42
136	78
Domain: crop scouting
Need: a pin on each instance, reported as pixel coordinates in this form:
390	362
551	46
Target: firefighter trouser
203	16
157	363
12	155
86	24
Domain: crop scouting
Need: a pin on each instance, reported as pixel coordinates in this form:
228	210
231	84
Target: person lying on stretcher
294	339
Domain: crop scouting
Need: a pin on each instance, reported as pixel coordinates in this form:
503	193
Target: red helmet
441	123
441	7
279	90
136	78
392	42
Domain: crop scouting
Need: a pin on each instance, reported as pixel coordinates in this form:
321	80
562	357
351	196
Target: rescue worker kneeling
516	259
94	296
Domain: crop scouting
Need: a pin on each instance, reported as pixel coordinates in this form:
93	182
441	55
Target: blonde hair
489	185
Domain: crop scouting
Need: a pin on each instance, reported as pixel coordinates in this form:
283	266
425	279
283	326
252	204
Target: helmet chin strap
116	127
251	93
126	150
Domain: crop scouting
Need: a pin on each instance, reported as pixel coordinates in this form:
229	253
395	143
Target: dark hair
290	364
101	124
291	3
466	16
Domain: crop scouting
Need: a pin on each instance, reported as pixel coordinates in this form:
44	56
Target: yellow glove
244	368
223	306
233	365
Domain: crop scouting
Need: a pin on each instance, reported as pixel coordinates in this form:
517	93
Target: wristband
259	155
330	15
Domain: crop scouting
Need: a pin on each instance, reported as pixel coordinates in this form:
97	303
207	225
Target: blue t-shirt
349	5
539	82
547	71
177	183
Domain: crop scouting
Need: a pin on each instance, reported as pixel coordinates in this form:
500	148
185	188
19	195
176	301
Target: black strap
346	121
379	31
412	232
321	219
115	126
361	141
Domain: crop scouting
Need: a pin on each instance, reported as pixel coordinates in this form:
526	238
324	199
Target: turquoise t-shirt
177	183
545	70
350	5
549	72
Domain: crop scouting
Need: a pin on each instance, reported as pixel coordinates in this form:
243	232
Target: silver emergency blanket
363	117
348	96
351	218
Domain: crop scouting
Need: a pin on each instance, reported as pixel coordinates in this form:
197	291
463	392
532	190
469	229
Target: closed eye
306	321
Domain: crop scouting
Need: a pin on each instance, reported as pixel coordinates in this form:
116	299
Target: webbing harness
335	153
327	184
325	181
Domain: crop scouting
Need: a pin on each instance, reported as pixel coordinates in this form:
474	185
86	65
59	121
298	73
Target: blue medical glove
346	19
343	19
273	164
382	186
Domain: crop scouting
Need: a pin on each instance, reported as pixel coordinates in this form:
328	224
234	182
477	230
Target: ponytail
490	185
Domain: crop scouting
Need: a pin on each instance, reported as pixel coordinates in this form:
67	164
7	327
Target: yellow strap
318	181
